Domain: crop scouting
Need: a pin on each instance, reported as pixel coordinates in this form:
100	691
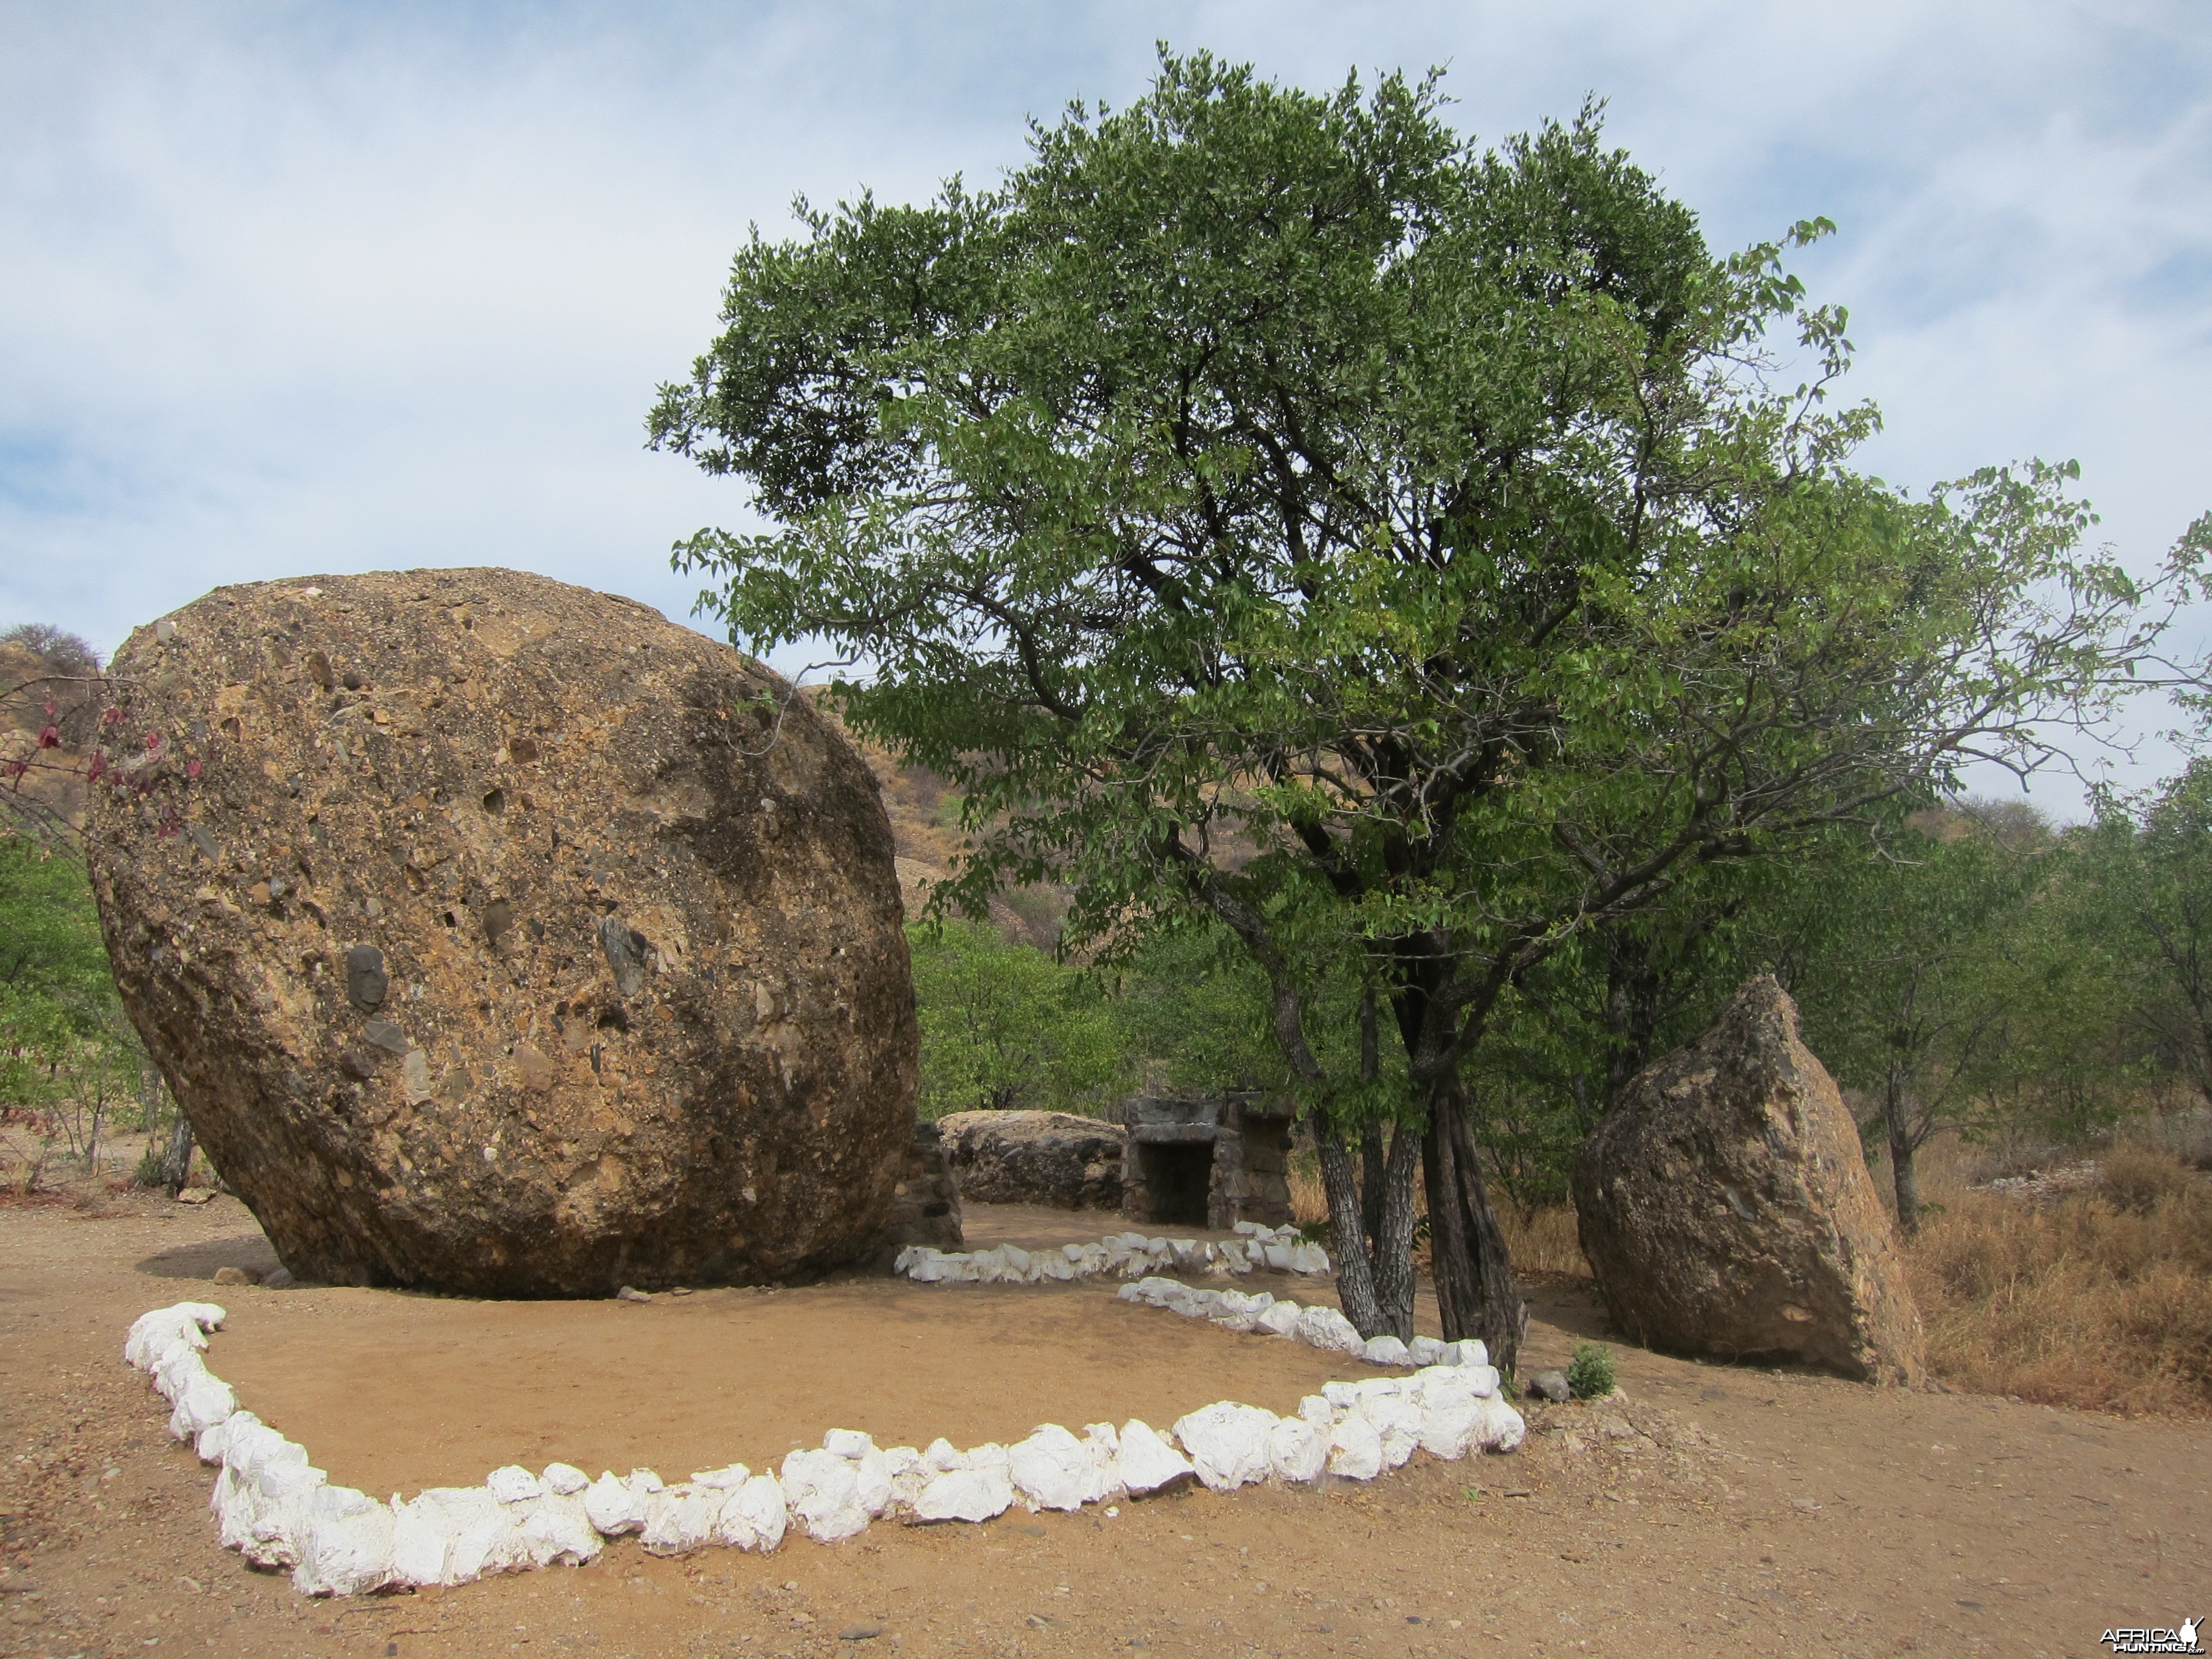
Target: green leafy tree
1005	1025
1920	992
2148	882
54	979
1268	505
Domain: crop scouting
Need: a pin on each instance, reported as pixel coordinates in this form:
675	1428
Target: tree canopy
1277	511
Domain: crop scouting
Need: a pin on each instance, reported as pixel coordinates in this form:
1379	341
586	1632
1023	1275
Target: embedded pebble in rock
502	938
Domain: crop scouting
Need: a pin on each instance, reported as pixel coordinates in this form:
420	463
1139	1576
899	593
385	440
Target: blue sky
294	288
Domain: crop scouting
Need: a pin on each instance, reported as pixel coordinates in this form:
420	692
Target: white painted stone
1277	1256
1386	1350
847	1443
564	1479
1051	1469
943	1456
909	1474
1355	1449
615	1507
1308	1259
1397	1420
966	1495
754	1516
1296	1451
1128	1293
1425	1350
1147	1462
1484	1378
872	1476
1017	1259
1502	1428
823	1492
1279	1319
206	1402
345	1545
1449	1426
216	1436
454	1535
557	1532
1327	1328
1101	1444
1473	1353
1316	1410
680	1519
1055	1267
1227	1443
511	1484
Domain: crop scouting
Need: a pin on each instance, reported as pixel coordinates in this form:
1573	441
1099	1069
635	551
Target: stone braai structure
1206	1163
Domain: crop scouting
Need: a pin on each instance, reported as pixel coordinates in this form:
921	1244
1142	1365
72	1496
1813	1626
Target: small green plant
1590	1374
1508	1386
153	1167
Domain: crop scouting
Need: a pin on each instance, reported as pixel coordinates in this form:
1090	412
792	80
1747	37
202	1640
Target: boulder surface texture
1054	1158
1725	1207
499	937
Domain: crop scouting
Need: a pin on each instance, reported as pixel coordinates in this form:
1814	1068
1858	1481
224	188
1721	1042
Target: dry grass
1544	1243
2101	1299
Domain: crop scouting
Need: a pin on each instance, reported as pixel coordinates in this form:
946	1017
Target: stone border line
1129	1255
1316	1327
278	1511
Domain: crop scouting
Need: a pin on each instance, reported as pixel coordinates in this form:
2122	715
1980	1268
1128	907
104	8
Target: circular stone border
278	1511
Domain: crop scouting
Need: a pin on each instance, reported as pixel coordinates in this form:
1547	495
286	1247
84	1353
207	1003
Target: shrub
153	1168
1589	1373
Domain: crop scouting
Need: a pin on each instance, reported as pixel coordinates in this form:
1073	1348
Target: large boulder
1054	1158
1725	1207
501	937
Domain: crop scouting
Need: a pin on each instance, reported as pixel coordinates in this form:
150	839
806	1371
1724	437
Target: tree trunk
1374	1178
1373	1163
1374	1282
1476	1289
1902	1174
179	1163
1355	1273
1394	1236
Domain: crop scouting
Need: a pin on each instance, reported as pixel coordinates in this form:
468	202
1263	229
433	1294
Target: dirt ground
1719	1509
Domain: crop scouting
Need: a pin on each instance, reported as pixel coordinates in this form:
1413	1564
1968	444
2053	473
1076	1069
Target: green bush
153	1168
1005	1025
1590	1374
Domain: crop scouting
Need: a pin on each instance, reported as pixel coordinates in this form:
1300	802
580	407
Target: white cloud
307	287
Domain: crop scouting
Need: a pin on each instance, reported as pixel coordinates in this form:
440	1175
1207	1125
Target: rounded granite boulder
501	937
